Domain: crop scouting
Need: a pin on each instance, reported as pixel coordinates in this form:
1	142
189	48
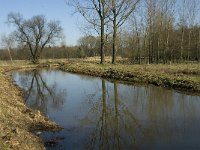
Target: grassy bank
184	77
17	122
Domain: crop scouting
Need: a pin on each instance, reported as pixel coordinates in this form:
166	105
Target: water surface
98	114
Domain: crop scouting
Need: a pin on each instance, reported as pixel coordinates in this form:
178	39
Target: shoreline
19	123
133	75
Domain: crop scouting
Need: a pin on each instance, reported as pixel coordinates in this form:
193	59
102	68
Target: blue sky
52	9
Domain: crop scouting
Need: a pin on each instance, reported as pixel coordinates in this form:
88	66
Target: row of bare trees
23	53
165	30
147	31
150	31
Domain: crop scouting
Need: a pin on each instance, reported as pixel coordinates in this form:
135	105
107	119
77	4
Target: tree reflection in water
128	117
104	115
38	95
116	127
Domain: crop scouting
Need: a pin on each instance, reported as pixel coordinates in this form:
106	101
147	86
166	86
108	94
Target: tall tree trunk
149	52
158	49
102	41
167	45
114	46
182	42
152	50
189	45
10	54
171	55
138	48
198	49
144	45
35	58
149	49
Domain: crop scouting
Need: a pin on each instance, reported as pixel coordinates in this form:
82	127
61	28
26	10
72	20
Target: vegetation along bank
183	77
18	123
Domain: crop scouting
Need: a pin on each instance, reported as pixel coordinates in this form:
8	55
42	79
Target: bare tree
89	45
96	13
121	10
36	33
182	20
150	18
191	13
8	42
168	10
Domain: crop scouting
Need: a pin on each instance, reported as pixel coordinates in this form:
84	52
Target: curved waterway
99	114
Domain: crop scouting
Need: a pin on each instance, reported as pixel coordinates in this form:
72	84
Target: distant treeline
137	47
48	53
156	31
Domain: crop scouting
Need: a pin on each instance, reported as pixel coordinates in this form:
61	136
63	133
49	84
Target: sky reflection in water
97	114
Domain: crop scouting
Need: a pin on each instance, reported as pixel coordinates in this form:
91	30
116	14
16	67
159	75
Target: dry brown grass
16	120
185	77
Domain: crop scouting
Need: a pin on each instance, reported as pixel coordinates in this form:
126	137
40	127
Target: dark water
98	114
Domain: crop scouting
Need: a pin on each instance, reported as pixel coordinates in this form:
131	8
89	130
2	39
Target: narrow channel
99	114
